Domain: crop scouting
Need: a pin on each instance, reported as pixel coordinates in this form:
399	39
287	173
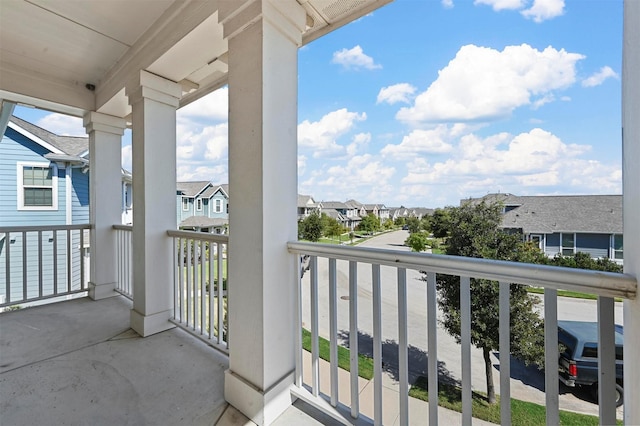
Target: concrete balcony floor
78	362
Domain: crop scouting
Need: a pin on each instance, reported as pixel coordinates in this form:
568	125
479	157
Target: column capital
150	86
98	122
286	15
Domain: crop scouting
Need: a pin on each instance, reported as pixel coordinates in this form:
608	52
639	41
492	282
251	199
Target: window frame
20	187
614	250
563	247
218	206
185	204
198	204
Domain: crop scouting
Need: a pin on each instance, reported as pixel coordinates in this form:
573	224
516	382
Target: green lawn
365	364
567	293
522	413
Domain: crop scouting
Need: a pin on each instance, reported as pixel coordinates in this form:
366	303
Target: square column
631	203
154	101
105	146
263	40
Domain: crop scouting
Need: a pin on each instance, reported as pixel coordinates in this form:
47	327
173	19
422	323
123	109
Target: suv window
590	350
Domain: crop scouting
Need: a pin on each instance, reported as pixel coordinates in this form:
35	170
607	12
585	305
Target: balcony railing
42	262
200	286
605	285
124	260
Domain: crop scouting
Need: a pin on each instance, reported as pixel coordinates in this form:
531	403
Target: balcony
79	359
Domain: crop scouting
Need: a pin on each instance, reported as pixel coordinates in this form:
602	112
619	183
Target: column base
102	291
261	407
146	325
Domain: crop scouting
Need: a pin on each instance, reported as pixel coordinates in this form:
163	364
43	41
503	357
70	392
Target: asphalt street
527	383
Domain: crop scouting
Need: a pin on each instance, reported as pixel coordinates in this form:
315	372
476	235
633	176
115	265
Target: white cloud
419	141
360	141
540	10
498	5
214	106
401	92
214	173
447	4
302	164
599	77
537	160
321	136
126	157
544	9
482	84
63	125
354	59
205	143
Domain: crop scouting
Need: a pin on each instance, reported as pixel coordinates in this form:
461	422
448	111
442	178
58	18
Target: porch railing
200	285
605	285
42	262
124	260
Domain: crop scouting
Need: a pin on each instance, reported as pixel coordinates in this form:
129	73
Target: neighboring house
44	181
565	224
202	206
349	213
306	206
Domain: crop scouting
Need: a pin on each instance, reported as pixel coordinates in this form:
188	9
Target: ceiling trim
177	21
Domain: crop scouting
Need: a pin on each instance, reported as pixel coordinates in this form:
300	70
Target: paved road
527	383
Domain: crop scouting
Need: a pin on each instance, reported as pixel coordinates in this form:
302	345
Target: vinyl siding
80	194
597	245
15	148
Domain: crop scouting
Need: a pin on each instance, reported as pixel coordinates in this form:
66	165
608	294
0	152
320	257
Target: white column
154	101
263	40
105	145
631	203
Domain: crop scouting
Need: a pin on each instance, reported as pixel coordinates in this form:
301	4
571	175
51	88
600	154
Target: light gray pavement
527	383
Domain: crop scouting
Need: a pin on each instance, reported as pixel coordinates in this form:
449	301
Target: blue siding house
566	224
44	181
202	206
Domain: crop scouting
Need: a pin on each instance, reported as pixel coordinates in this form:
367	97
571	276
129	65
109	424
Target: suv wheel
619	393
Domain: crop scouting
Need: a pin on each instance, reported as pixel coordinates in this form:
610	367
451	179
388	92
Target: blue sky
426	102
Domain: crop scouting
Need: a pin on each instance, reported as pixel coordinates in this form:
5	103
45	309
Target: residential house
202	206
44	181
146	60
306	206
565	224
349	213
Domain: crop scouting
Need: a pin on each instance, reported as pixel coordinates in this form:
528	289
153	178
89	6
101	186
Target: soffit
51	49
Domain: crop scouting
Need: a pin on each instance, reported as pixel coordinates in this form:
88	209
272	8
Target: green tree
413	223
425	223
440	222
388	224
584	261
399	221
473	232
310	228
369	223
331	227
417	241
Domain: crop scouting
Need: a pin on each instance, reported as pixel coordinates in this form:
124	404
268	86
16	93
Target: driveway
527	383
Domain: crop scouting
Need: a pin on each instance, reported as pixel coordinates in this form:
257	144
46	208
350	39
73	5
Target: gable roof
191	189
335	205
74	146
202	222
306	201
562	213
212	190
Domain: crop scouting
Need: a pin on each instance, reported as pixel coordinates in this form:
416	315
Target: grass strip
365	364
568	293
522	413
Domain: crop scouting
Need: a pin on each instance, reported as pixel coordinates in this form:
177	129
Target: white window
568	244
185	204
37	186
218	206
617	247
199	204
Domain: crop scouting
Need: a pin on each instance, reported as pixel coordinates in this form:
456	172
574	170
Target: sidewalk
418	409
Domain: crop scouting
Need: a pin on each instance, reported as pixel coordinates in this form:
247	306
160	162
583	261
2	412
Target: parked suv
579	356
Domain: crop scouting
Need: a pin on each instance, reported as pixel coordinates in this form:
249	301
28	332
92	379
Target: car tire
619	393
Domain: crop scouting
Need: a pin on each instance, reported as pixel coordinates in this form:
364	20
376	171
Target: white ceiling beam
43	91
177	21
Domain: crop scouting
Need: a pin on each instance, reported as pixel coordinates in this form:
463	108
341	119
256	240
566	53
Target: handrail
119	227
607	284
13	229
216	238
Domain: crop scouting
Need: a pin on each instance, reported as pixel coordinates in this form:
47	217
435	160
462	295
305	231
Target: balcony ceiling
50	50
